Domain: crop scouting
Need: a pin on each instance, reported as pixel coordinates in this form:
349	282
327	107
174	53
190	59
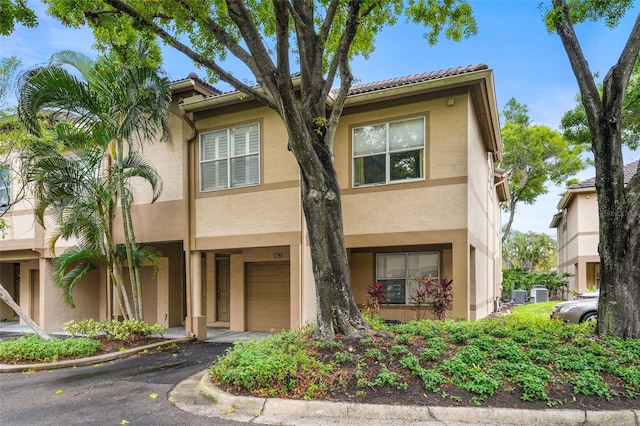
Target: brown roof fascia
501	183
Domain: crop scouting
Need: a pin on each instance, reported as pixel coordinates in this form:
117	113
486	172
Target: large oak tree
268	37
618	206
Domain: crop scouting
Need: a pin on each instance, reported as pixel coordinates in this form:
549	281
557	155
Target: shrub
437	294
34	348
114	330
270	366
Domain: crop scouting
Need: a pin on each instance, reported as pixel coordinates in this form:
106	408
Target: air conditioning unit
539	294
519	297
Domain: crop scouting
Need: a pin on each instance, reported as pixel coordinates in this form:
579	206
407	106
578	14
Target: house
578	232
415	160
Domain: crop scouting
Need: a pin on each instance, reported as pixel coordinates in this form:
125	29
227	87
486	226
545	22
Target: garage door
268	296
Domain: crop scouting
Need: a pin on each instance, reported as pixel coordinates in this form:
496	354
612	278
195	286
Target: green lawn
534	311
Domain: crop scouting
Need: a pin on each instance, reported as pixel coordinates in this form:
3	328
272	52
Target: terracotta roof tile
376	85
412	79
629	171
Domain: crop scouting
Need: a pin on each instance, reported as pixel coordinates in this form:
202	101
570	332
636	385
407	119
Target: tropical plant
76	197
115	109
376	295
437	294
531	252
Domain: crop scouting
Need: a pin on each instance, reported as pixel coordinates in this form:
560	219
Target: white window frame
5	186
229	157
410	285
388	152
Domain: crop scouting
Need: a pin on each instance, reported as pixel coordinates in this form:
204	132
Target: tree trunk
618	207
507	227
619	245
129	237
6	298
337	312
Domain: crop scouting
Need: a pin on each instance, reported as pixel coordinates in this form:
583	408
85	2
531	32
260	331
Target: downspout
187	241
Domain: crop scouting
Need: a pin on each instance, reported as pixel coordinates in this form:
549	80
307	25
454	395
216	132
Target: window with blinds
230	158
389	152
5	188
398	272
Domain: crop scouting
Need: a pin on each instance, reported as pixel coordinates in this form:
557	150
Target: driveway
131	391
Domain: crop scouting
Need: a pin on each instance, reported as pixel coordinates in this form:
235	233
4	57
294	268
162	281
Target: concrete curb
15	368
199	396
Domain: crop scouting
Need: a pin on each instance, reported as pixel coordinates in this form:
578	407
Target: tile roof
376	85
416	78
629	171
200	82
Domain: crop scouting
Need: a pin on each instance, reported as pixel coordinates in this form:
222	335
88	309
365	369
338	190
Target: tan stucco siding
409	210
578	243
482	223
260	212
587	210
168	159
161	221
21	226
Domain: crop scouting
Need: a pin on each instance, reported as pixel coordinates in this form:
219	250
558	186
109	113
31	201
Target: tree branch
580	66
190	53
617	79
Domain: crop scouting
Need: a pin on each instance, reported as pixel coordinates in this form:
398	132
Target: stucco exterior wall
438	202
482	222
578	241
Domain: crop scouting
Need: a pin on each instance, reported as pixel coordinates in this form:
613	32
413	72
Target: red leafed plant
376	295
437	294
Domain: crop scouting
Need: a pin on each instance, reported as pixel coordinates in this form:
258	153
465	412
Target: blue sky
529	64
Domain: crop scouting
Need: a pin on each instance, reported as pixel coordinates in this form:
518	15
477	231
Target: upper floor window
230	158
389	152
397	273
5	188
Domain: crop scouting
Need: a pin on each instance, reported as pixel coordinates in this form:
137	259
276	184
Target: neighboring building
578	232
415	161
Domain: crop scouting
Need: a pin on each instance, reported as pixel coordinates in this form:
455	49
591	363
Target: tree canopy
14	12
529	252
575	126
534	155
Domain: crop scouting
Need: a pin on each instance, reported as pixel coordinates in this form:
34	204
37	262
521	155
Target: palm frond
136	165
66	279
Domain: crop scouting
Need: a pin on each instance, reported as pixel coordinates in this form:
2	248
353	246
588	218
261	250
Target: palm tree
120	108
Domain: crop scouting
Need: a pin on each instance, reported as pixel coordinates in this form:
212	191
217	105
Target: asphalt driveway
131	391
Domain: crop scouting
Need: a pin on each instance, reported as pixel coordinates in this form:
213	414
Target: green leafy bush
526	354
272	366
35	349
114	330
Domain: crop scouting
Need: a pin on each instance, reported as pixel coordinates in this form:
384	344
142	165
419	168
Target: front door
222	290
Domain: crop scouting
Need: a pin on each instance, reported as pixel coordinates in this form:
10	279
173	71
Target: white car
576	311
